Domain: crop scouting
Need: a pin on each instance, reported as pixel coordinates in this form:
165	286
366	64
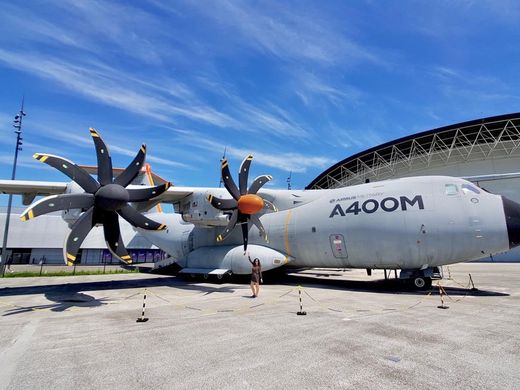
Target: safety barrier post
473	288
143	318
441	293
301	312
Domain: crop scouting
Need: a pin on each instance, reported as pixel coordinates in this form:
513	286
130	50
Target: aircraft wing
29	189
176	194
495	176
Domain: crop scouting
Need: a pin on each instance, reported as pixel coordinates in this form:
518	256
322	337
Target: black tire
422	282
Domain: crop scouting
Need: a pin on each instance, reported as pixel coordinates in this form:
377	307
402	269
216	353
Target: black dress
256	272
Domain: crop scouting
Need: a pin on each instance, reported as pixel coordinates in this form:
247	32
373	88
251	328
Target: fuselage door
337	243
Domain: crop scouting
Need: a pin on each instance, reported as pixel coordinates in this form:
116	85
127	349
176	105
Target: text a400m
388	204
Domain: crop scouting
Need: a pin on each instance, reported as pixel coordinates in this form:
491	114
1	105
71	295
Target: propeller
103	200
245	203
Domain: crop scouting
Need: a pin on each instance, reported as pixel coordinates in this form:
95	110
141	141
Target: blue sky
300	84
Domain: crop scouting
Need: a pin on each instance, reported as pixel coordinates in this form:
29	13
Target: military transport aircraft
413	224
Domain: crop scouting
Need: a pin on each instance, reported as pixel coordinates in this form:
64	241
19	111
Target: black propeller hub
111	197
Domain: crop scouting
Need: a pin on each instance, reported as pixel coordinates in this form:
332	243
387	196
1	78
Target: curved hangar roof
435	151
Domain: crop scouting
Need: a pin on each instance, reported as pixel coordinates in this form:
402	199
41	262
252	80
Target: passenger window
451	189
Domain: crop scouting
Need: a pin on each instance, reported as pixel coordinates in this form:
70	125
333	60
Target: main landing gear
420	279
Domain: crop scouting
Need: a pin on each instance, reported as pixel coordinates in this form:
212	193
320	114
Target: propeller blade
132	170
258	183
79	175
113	236
231	224
256	221
103	159
229	183
222	204
268	205
58	202
245	233
137	219
244	174
77	235
143	194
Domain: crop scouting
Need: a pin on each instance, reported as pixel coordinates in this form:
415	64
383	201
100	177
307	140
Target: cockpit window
470	189
451	189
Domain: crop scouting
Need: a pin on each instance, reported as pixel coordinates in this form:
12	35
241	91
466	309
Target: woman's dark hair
255	261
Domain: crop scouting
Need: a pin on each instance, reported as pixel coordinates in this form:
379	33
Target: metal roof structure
495	137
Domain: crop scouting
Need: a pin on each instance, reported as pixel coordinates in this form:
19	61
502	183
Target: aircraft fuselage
408	223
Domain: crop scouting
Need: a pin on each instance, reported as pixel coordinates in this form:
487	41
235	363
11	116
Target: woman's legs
253	287
257	286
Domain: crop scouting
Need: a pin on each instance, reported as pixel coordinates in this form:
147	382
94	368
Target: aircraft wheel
220	276
206	276
422	282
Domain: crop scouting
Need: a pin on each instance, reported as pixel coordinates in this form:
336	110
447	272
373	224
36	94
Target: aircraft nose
512	213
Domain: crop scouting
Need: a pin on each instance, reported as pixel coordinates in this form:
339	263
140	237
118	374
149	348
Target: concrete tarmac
359	332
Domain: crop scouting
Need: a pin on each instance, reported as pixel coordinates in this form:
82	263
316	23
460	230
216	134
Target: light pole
17	124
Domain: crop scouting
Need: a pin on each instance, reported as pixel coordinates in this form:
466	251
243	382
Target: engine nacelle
197	210
233	258
71	215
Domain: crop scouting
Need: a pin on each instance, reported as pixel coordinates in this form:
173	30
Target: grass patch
29	274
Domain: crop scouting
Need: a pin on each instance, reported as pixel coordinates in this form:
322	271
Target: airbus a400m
412	224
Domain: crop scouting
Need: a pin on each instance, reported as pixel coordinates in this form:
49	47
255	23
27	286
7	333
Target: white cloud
287	32
101	85
288	161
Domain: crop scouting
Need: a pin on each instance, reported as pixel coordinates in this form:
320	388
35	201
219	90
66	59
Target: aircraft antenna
289	180
17	124
222	159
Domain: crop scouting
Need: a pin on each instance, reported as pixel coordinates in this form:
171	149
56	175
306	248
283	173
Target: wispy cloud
287	161
281	30
97	83
83	141
309	88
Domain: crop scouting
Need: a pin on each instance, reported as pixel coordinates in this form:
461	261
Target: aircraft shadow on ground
66	292
380	286
61	301
65	296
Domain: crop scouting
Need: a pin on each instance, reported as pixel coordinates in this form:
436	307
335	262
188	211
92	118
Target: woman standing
256	276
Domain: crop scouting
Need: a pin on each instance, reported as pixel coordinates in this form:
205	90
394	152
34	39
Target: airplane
412	224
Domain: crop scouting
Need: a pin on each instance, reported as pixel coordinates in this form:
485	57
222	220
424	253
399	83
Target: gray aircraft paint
450	227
